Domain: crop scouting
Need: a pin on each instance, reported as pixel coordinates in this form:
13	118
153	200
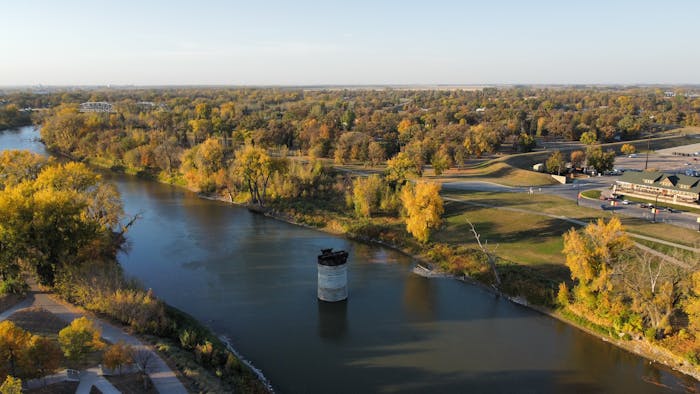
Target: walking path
647	249
163	378
92	377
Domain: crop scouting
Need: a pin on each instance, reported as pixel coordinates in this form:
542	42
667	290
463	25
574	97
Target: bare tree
490	253
145	362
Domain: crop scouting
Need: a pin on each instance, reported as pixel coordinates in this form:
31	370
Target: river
253	279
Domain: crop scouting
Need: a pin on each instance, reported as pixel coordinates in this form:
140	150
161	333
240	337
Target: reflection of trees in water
332	320
419	298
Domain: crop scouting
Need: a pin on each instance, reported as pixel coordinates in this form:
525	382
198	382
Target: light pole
698	220
646	162
655	208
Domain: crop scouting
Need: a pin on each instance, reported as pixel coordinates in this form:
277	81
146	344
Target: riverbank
338	228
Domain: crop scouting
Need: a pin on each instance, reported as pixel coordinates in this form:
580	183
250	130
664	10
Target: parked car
646	205
626	202
673	210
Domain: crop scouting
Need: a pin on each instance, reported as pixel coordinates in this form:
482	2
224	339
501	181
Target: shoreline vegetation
639	346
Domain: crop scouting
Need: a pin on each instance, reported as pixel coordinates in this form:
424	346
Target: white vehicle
632	156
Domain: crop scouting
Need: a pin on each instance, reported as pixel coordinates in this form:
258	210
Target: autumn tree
80	338
441	161
254	167
423	208
555	163
118	355
11	385
578	158
692	306
44	355
401	168
628	149
377	153
366	195
13	348
589	138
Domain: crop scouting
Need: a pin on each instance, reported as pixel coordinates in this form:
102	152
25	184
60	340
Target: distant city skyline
349	43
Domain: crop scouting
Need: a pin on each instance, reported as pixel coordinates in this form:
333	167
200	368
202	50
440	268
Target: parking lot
663	160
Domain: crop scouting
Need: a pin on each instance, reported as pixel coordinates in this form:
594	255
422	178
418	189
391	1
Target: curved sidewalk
164	379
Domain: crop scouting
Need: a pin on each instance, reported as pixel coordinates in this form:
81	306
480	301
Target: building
96	106
675	188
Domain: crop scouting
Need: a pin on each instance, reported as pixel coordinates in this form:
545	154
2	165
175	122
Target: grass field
525	236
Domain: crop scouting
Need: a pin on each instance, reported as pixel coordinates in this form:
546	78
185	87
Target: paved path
645	248
163	378
92	377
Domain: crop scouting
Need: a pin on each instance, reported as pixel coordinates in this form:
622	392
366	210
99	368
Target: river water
253	279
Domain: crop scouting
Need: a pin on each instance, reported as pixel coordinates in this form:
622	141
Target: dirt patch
56	388
38	321
131	383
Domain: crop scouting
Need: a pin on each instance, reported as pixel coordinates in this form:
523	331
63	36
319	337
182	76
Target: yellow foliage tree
79	338
366	195
591	254
422	209
13	345
11	386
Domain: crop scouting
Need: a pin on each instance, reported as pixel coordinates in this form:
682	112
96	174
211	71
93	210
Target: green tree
423	208
601	161
589	138
79	338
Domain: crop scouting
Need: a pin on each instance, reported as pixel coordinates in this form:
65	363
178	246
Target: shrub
13	285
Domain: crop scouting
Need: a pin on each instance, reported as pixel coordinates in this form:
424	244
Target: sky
352	42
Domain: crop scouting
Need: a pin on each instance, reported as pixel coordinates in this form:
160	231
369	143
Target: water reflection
419	298
333	320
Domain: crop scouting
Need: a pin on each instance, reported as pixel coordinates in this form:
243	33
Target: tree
377	154
44	355
118	355
79	338
13	345
692	306
441	161
255	168
555	163
601	161
589	138
11	386
366	195
145	362
401	168
578	157
423	208
526	142
628	149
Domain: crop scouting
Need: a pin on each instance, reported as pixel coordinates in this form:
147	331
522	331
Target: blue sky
304	42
